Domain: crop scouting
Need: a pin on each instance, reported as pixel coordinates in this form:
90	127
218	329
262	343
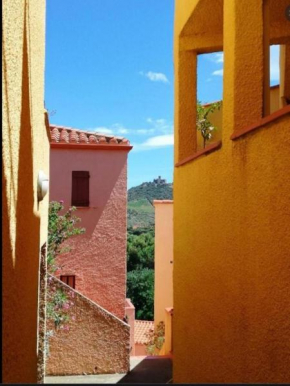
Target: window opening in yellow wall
209	99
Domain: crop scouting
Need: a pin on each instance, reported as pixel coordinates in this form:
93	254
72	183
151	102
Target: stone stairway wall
94	342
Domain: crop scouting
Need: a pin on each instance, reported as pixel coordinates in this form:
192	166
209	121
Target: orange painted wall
25	151
163	259
130	314
231	213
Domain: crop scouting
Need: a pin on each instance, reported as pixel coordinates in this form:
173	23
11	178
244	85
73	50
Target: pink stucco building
89	171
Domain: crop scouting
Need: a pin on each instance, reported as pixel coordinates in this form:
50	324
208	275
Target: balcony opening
274	78
209	98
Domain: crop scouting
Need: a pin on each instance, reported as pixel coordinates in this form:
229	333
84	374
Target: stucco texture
96	343
25	151
163	259
98	257
130	314
231	273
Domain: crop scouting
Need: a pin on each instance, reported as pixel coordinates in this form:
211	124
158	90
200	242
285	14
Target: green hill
140	202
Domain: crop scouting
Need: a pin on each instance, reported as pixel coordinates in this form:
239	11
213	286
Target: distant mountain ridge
140	201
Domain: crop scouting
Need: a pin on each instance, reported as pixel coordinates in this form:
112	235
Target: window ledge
207	150
270	118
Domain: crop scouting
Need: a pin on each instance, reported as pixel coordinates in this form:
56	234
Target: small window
69	280
80	188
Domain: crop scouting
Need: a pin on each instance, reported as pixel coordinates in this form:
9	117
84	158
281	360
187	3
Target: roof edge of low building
63	136
156	202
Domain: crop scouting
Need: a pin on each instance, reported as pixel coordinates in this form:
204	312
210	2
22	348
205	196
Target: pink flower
66	328
73	318
61	202
72	303
66	306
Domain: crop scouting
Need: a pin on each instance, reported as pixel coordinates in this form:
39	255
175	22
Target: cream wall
163	262
25	151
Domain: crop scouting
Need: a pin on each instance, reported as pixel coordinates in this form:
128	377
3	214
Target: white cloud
155	142
219	72
119	129
101	130
115	129
155	76
123	131
274	63
145	131
161	125
219	57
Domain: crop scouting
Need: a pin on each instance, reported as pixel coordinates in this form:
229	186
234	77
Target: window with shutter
69	280
80	188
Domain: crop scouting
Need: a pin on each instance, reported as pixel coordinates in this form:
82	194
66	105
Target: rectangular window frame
80	192
66	279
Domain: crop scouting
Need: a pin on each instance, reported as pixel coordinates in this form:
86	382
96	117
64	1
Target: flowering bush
60	228
156	338
203	124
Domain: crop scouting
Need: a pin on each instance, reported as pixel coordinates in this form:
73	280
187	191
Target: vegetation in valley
140	202
140	271
140	244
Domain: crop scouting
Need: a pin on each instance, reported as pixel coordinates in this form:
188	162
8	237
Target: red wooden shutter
80	188
69	280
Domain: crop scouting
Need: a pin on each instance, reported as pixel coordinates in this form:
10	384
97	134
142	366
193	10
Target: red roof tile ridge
142	328
62	134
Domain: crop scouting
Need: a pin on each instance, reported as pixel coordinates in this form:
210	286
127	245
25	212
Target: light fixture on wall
42	185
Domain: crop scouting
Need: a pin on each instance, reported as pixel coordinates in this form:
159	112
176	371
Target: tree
203	124
60	228
58	302
140	289
140	250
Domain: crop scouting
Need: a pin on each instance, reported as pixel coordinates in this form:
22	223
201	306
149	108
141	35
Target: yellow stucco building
25	152
231	272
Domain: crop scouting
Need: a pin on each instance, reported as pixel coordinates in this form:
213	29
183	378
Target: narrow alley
150	369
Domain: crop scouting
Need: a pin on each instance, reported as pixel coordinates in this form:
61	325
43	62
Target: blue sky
109	68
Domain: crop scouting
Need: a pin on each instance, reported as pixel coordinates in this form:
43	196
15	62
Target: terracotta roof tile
61	134
142	327
64	137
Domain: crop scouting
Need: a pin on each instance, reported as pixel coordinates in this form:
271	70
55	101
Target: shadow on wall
152	369
20	280
98	257
105	178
